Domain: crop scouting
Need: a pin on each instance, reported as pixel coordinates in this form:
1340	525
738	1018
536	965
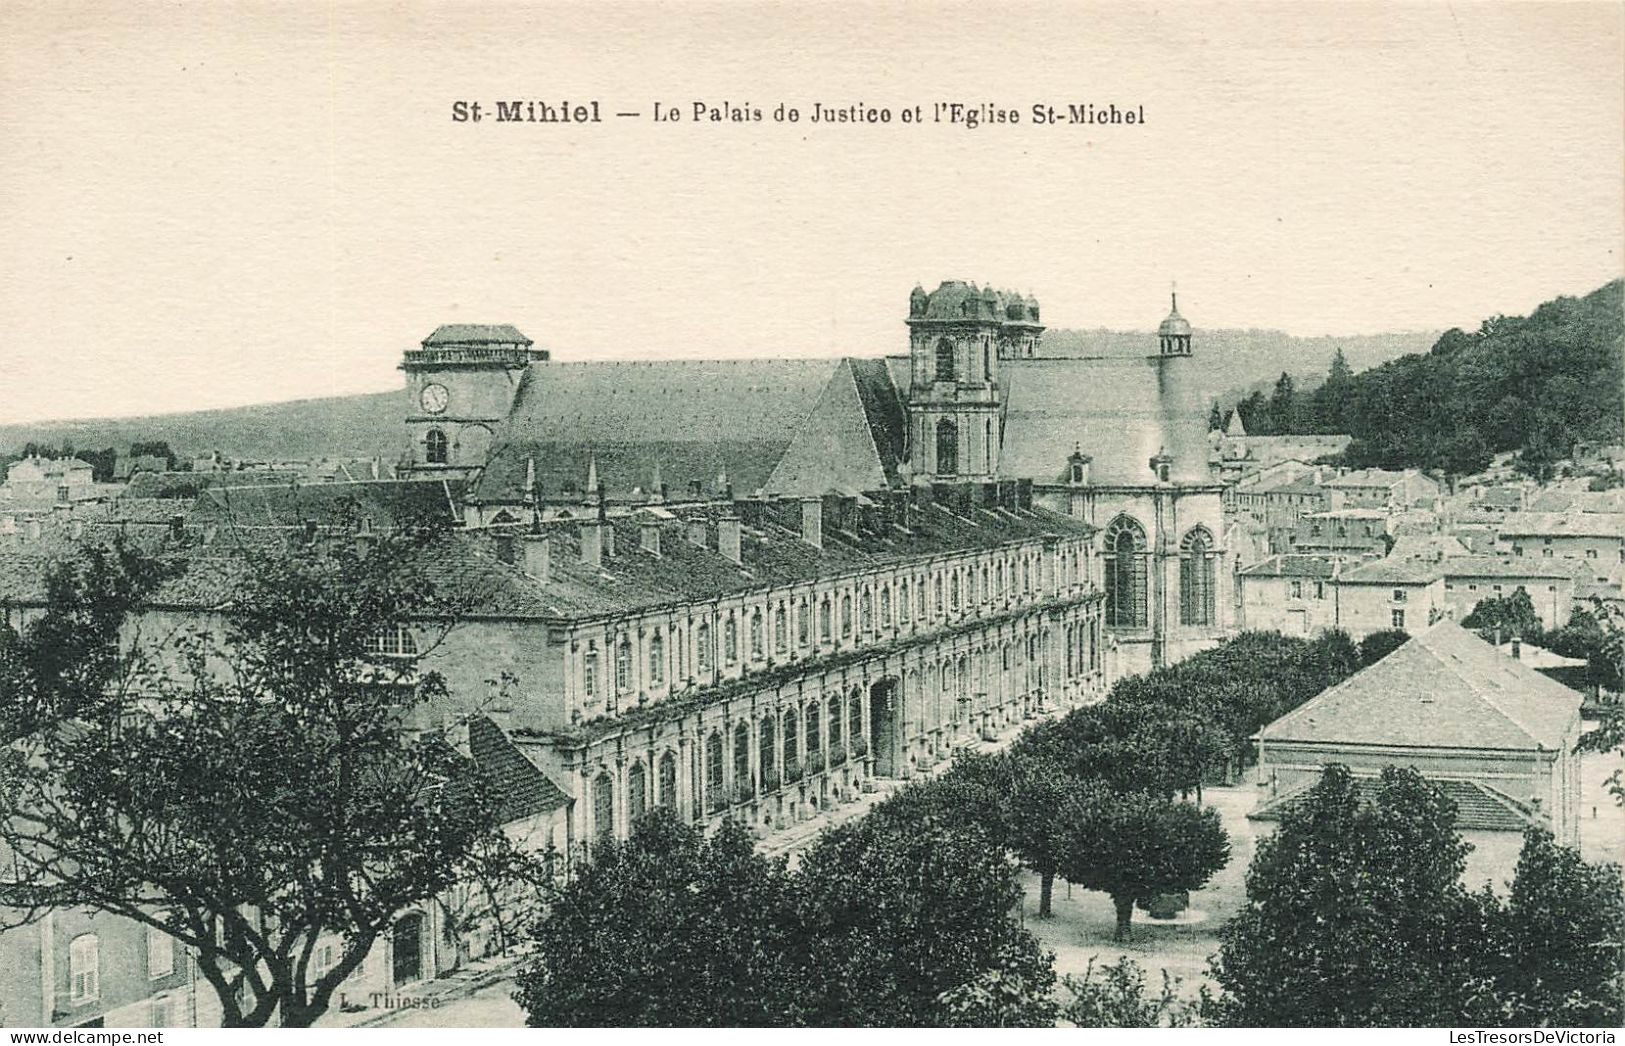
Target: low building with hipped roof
1492	733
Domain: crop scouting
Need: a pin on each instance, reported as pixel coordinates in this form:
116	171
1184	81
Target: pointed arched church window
1125	574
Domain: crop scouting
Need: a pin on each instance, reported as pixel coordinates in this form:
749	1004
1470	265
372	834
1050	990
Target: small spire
592	474
1173	293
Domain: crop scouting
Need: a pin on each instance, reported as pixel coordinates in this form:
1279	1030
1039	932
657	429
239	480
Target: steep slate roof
1419	545
1446	688
1392	571
381	502
1111	408
697	419
522	789
1293	565
472	571
1366	478
1559	524
1478	806
1514	567
1579	501
853	439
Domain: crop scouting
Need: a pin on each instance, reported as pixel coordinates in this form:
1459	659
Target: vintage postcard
764	514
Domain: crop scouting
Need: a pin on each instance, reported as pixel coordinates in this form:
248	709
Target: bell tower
460	385
958	334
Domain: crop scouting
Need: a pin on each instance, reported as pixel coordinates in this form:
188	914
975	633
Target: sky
217	204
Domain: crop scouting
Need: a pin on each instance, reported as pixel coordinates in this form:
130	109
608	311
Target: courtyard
1081	928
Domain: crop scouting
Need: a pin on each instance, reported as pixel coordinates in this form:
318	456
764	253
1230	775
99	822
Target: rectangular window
84	968
1591	553
1399	595
160	953
163	1013
1297	590
1320	590
1398	618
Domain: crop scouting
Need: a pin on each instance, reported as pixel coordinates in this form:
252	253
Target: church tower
460	385
957	336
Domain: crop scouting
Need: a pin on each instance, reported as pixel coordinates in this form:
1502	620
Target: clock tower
460	385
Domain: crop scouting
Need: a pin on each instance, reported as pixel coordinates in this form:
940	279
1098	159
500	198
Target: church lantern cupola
1174	333
1077	467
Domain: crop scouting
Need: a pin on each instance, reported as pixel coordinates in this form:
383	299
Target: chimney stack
728	538
812	521
1517	649
592	543
649	536
538	557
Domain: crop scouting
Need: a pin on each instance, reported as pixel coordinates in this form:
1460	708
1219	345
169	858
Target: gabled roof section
1293	565
522	789
851	442
1392	571
1446	688
381	503
1478	806
697	419
1563	524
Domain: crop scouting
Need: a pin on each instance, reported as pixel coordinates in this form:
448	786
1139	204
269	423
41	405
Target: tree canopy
1532	384
1356	916
249	790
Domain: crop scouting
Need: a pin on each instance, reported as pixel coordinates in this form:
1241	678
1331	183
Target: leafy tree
1014	796
1562	956
1329	404
1134	846
101	462
1215	418
1591	634
155	448
1255	414
1231	690
1378	645
1284	405
669	929
1532	384
1355	913
909	915
256	789
1116	996
1600	634
1506	616
63	659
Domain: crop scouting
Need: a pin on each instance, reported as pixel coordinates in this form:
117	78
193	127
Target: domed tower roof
1175	324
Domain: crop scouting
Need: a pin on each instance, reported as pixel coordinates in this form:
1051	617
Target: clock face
434	398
